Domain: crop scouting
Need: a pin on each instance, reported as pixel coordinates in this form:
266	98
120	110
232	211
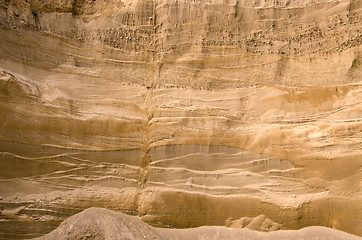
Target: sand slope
97	223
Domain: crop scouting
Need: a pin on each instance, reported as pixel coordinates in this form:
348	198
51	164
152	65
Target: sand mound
259	223
98	223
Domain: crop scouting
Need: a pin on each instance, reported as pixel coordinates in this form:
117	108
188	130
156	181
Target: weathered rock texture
186	113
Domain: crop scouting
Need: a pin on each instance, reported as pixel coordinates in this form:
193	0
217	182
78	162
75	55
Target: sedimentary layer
185	113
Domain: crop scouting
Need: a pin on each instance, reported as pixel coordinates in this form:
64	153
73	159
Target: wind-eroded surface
185	113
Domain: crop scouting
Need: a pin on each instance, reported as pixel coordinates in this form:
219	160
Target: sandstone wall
185	113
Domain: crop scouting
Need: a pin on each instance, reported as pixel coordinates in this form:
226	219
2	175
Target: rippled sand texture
185	113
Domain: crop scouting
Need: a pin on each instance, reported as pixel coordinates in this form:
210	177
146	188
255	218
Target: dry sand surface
98	223
185	113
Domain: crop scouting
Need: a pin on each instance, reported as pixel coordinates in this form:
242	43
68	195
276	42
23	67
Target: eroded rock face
186	113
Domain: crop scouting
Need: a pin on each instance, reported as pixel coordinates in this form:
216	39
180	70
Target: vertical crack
154	68
146	158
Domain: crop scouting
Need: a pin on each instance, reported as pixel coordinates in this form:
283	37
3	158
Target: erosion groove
185	113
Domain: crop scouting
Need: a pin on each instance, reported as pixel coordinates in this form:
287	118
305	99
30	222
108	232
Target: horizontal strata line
178	190
86	58
280	170
229	171
168	5
226	155
262	160
155	119
38	158
58	185
92	148
110	60
100	164
55	173
41	176
225	68
66	115
197	186
343	120
35	209
179	98
69	155
195	107
90	178
208	76
32	41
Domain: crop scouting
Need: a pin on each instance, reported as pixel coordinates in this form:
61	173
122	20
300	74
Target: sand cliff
185	113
